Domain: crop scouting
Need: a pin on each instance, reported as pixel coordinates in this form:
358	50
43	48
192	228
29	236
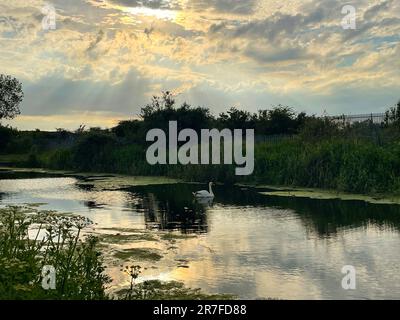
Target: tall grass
341	164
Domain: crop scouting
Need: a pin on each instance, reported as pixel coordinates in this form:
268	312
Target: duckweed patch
121	238
141	254
176	236
321	194
173	290
132	230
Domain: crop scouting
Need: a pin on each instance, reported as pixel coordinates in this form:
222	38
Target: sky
107	58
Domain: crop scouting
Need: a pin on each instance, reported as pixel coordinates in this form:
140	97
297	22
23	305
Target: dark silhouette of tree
279	120
165	102
161	110
11	95
236	119
392	116
282	120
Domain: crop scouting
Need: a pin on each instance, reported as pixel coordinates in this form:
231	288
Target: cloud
109	56
57	95
96	41
375	10
152	4
259	54
224	6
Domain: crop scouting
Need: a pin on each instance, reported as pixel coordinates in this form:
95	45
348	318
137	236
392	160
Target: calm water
247	244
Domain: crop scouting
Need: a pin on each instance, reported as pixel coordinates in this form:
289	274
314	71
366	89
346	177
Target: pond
243	243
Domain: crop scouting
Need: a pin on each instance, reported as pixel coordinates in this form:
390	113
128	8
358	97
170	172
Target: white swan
205	193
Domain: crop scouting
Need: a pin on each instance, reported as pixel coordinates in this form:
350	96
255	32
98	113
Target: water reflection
173	207
248	244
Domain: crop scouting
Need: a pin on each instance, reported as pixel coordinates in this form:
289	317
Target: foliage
11	96
352	166
91	150
392	116
279	120
318	129
157	290
31	239
6	135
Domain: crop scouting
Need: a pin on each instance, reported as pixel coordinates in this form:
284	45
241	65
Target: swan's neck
210	188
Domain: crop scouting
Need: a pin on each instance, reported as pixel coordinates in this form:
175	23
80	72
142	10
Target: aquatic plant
133	272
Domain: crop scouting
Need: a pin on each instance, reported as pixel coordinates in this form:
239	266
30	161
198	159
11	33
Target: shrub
56	242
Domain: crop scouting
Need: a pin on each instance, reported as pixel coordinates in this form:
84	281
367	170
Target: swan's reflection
172	207
205	202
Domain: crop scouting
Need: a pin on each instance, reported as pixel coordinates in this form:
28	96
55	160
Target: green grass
13	158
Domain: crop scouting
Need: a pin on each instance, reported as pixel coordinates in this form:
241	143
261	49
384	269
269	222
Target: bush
5	138
90	153
59	159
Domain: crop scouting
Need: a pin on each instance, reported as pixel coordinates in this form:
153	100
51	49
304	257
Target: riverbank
110	181
345	164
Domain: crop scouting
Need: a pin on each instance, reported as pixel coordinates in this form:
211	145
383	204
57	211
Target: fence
377	118
368	132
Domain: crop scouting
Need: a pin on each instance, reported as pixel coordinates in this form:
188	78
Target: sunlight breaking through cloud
217	53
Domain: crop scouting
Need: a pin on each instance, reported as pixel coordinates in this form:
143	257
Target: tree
11	95
392	116
161	110
280	120
236	119
166	102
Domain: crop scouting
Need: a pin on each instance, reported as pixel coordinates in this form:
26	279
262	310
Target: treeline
306	150
280	120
